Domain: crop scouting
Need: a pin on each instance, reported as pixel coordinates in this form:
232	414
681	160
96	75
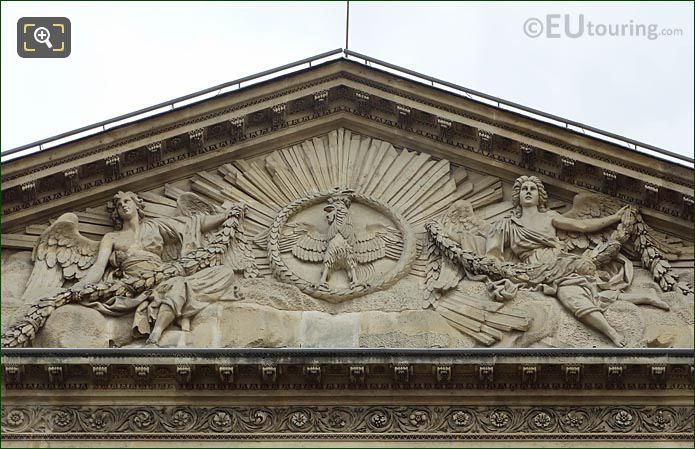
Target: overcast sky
126	56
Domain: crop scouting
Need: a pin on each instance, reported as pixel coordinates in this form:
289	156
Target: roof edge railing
626	141
526	109
172	103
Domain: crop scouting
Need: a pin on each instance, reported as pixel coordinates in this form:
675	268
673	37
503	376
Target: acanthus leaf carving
334	422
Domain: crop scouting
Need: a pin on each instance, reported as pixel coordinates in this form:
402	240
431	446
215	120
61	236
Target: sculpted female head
124	206
529	191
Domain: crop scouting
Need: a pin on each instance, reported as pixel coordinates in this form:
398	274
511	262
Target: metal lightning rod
347	23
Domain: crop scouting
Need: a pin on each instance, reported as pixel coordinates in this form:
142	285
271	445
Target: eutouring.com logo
557	26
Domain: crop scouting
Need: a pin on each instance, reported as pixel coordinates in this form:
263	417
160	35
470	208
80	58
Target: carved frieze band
353	422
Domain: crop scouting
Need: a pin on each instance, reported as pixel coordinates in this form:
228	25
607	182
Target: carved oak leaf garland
632	233
23	331
433	255
633	228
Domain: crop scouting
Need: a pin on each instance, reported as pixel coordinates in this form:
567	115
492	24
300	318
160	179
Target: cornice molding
226	128
327	369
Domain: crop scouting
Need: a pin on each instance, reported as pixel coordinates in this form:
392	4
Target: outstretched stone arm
96	271
210	223
587	224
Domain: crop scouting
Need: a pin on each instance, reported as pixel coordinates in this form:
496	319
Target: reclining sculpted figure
539	249
160	269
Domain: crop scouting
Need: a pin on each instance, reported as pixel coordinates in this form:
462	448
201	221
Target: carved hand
622	211
495	261
83	283
234	209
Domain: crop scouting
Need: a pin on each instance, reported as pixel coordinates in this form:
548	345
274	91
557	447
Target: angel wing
588	206
460	224
376	242
305	242
486	321
61	254
190	204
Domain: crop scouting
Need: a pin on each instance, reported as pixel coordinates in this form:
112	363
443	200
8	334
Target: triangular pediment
403	163
345	232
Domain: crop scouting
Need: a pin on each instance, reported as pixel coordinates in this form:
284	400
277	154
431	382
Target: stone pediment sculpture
533	249
414	238
157	269
342	247
353	228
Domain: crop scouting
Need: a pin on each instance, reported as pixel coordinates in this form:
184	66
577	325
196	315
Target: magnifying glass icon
43	36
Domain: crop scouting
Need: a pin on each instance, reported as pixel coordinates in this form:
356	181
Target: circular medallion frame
284	273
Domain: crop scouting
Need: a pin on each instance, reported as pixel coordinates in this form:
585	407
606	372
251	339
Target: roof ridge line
525	110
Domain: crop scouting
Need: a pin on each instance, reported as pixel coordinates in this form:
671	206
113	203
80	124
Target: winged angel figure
574	257
160	269
342	247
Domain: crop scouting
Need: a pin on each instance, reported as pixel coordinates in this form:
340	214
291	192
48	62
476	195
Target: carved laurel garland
632	227
408	186
474	264
355	422
654	260
283	272
23	331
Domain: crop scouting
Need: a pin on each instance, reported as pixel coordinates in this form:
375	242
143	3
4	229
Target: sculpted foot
656	302
618	339
152	342
324	286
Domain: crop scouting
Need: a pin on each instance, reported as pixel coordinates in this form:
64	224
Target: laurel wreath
284	273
